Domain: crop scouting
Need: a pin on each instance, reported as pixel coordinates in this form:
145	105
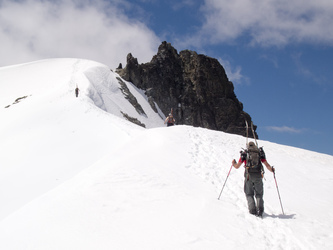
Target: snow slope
73	176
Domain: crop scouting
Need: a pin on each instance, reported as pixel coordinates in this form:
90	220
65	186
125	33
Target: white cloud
234	74
266	22
271	59
96	30
285	129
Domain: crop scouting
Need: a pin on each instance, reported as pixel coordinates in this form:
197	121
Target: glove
262	153
243	155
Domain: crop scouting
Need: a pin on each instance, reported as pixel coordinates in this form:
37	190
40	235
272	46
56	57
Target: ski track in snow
209	149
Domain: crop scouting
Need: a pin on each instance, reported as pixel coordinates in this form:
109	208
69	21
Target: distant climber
77	90
170	120
253	158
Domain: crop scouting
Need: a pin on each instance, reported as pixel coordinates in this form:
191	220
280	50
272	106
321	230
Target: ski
254	135
247	132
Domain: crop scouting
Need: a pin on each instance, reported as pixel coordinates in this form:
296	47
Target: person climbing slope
77	90
253	158
170	120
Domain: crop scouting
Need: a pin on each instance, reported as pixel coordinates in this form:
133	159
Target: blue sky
278	54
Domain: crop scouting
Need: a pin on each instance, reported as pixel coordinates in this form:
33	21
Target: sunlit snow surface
74	174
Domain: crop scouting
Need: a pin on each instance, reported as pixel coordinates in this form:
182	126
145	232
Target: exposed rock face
195	86
130	97
17	101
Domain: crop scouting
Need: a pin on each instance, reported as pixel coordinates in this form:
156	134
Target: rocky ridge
195	86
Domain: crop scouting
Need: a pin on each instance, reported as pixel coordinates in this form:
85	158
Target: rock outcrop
195	86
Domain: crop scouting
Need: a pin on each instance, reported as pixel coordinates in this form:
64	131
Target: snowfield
75	174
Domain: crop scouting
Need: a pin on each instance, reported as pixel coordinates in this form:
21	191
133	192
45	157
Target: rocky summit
195	86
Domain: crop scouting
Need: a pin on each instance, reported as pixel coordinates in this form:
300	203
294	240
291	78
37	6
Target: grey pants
253	186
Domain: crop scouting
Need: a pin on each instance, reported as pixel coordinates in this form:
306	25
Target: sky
278	54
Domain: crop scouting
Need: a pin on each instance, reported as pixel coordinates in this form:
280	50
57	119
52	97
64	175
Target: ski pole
225	182
277	188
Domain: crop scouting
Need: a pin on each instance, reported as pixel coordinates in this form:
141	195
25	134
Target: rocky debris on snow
17	101
133	120
194	85
130	97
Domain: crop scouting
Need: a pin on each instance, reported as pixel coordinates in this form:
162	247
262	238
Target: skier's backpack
253	162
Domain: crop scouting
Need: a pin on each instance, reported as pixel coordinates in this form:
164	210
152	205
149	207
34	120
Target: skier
77	91
170	120
253	158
